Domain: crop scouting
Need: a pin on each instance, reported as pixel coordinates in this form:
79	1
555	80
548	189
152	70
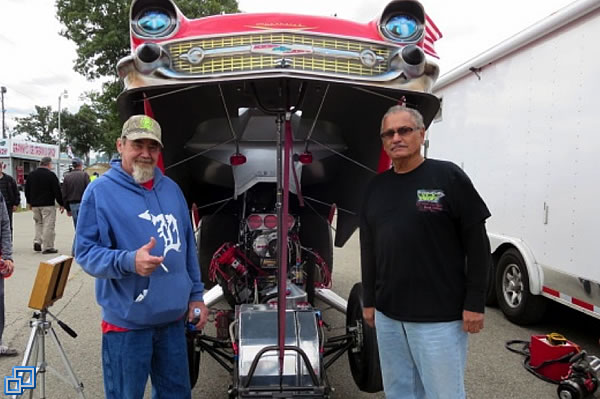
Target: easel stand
36	351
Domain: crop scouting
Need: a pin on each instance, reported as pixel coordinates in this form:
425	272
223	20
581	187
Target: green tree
100	30
81	130
40	126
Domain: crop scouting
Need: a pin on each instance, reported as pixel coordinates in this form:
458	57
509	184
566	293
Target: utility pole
2	91
63	94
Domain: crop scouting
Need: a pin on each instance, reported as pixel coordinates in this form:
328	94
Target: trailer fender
536	274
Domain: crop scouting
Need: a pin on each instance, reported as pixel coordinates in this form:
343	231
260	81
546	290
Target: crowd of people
422	221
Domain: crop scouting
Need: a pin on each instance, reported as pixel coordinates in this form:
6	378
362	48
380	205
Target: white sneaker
6	351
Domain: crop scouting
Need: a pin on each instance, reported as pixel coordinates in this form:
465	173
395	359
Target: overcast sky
37	64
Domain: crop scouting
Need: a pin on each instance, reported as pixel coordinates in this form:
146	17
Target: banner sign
33	149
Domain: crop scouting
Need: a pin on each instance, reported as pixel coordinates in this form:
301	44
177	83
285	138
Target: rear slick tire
364	363
215	230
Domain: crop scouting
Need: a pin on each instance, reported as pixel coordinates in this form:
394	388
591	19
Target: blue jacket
116	217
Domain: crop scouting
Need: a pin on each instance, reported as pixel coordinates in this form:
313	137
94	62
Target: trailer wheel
364	359
194	354
215	230
512	289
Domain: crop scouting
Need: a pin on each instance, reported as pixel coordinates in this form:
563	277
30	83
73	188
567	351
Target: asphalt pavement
492	371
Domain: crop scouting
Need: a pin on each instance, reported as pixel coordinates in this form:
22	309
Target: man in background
73	186
10	192
42	191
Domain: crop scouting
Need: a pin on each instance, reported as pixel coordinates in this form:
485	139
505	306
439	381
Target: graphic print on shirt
429	200
167	229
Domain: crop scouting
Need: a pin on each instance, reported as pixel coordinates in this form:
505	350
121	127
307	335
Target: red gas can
545	352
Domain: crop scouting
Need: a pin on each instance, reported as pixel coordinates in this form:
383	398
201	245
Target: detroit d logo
167	229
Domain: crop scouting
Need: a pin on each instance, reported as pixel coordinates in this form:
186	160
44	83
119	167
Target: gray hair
416	115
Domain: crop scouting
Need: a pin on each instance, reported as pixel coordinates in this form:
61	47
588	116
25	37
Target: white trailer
523	120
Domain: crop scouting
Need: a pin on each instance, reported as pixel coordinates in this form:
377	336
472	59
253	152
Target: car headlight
154	22
402	28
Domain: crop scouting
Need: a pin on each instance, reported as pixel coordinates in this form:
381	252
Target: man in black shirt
425	256
42	190
10	192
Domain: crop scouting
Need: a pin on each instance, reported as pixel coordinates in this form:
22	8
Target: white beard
142	172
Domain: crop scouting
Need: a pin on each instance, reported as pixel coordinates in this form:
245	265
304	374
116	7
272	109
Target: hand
9	267
14	208
69	213
369	316
144	262
472	321
203	313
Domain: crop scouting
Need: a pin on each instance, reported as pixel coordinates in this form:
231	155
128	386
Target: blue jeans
129	357
74	212
421	360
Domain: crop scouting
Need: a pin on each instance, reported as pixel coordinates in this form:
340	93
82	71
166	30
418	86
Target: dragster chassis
274	344
310	364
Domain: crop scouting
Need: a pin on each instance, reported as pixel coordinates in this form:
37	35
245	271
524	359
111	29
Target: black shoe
50	251
37	247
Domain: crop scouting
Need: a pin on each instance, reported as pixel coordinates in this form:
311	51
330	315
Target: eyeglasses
402	131
139	146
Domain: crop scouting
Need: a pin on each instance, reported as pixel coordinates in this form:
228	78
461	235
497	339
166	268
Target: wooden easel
48	287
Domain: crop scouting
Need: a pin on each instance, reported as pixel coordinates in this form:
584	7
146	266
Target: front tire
515	299
364	359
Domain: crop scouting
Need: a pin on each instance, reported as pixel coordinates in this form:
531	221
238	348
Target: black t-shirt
424	252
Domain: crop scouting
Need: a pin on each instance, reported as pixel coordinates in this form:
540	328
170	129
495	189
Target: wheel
567	389
194	353
512	290
315	233
364	359
215	230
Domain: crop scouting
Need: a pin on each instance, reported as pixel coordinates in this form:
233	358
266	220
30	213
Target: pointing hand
144	262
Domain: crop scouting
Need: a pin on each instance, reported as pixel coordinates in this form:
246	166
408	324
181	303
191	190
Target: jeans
421	360
129	357
74	212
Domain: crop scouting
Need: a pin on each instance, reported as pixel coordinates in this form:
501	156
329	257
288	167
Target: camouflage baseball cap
141	127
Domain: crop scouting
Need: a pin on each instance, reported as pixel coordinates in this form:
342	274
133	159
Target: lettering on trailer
22	378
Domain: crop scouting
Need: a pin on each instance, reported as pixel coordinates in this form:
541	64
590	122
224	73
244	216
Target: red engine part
229	257
551	359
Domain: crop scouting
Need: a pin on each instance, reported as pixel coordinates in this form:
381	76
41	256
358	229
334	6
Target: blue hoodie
116	217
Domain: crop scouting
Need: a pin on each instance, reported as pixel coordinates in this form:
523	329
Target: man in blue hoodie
135	236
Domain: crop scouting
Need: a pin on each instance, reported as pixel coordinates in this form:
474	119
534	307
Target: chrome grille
248	61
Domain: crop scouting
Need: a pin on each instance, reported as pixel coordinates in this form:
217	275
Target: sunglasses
402	131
